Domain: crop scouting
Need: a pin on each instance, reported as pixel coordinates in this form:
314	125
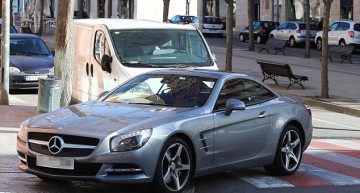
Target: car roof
131	24
23	35
200	72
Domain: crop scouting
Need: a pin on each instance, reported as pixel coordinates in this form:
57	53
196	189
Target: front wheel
292	42
174	168
242	38
319	44
288	154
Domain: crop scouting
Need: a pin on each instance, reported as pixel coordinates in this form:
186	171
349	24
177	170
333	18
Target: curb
332	107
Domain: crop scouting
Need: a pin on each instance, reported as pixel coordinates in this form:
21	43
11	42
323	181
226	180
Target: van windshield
160	48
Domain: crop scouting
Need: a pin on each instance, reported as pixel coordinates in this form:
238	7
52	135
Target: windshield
161	48
164	90
28	46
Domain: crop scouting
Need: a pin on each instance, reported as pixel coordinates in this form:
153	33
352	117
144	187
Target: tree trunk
307	13
324	61
41	17
229	35
64	50
251	28
109	9
5	52
166	10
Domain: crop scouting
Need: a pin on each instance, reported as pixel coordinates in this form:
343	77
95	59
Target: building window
267	4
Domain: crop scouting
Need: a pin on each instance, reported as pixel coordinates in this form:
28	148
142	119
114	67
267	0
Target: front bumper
27	81
136	166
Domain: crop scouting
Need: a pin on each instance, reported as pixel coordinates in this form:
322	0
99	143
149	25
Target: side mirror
105	63
234	104
102	94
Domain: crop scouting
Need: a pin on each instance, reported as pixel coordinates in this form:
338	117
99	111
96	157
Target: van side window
101	46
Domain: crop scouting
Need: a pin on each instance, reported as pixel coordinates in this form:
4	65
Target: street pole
201	14
187	6
5	39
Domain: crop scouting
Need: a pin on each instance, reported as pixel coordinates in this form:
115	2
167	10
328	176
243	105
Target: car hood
99	118
25	63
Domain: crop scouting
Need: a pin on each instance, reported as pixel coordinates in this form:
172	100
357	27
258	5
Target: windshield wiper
178	66
140	64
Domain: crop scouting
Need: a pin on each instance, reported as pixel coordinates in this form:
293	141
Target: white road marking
337	124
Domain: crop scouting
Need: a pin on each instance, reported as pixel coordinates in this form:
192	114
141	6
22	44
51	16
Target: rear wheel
258	40
319	44
174	168
292	42
241	38
342	42
288	154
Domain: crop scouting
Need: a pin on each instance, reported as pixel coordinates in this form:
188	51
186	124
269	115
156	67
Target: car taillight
298	31
308	108
351	34
263	31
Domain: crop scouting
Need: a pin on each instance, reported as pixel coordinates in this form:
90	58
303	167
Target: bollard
48	95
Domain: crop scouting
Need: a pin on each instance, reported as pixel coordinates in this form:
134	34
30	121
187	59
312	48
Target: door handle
87	69
262	114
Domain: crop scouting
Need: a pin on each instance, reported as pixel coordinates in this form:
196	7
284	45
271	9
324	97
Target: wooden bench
342	52
272	70
274	44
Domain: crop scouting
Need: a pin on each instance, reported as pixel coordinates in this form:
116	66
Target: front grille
68	139
80	169
72	139
65	152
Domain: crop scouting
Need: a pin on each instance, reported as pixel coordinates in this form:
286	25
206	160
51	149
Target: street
330	165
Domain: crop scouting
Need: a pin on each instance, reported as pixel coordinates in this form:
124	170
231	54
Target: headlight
22	133
51	70
14	70
130	141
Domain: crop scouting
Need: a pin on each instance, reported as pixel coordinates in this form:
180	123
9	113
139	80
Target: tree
64	50
307	14
324	61
229	34
166	10
251	27
5	58
41	17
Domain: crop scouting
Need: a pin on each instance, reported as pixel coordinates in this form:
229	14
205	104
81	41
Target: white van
108	52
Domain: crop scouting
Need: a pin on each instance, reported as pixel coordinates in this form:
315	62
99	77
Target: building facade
285	10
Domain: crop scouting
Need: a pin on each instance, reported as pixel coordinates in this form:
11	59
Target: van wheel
242	38
174	168
319	44
288	154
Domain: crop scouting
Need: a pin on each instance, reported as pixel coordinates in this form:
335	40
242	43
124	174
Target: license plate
55	162
33	78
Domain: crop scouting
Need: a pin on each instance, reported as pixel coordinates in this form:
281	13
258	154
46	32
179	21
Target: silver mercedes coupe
167	127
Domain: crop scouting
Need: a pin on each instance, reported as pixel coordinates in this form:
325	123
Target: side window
283	26
101	46
343	26
248	91
292	26
333	26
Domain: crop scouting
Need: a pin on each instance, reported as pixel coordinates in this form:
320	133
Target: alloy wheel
291	150
242	38
176	167
319	44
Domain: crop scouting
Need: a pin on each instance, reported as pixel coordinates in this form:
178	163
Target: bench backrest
342	50
276	69
272	42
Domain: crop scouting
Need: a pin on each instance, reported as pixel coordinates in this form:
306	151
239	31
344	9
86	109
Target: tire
241	38
319	44
288	154
342	42
292	42
272	36
259	40
174	169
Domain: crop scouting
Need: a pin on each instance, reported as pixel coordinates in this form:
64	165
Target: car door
332	38
280	31
244	133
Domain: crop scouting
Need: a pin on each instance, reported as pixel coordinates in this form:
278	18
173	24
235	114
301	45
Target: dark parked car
167	127
261	32
12	28
181	19
30	59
